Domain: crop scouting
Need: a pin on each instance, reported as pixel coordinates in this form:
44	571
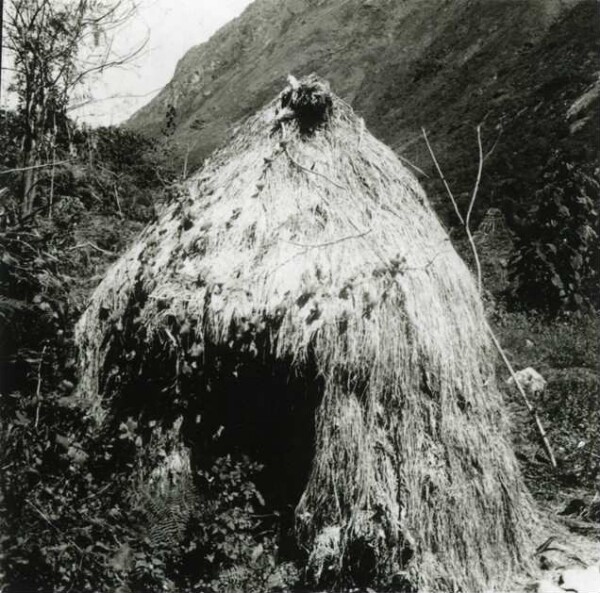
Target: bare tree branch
465	222
93	246
439	170
40	166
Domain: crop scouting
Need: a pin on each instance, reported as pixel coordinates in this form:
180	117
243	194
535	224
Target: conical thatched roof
305	245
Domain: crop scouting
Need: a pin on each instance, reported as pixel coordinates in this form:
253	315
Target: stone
530	381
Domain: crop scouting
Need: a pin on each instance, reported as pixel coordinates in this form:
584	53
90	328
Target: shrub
232	539
60	519
557	251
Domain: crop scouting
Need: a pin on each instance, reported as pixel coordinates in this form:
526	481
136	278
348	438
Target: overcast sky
172	27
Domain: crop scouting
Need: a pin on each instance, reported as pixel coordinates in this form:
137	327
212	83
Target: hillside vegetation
527	70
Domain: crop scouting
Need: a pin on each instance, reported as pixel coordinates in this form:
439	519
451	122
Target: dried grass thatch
310	246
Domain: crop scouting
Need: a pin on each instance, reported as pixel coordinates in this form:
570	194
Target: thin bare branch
412	165
31	167
441	175
467	222
303	168
47	520
478	180
532	411
38	389
93	246
91	101
328	243
490	152
543	436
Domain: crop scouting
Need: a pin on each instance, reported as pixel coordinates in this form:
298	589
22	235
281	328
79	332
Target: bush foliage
556	264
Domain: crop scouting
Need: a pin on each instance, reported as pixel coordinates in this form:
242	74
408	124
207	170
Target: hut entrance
262	410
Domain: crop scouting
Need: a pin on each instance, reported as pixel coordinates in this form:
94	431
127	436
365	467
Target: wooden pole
532	411
465	222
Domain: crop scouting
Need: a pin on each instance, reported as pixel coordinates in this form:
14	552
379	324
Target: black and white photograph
299	296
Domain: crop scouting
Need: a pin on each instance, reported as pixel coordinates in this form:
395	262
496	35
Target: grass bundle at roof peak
305	244
308	103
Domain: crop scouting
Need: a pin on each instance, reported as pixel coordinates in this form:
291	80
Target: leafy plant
65	522
57	532
556	263
233	541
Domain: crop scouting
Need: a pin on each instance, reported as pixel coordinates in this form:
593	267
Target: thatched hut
303	299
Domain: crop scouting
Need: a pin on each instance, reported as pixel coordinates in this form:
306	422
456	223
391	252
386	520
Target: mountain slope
520	67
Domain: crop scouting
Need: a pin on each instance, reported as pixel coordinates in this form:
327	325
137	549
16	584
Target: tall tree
55	46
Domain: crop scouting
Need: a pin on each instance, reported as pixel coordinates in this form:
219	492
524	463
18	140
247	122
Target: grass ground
566	353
